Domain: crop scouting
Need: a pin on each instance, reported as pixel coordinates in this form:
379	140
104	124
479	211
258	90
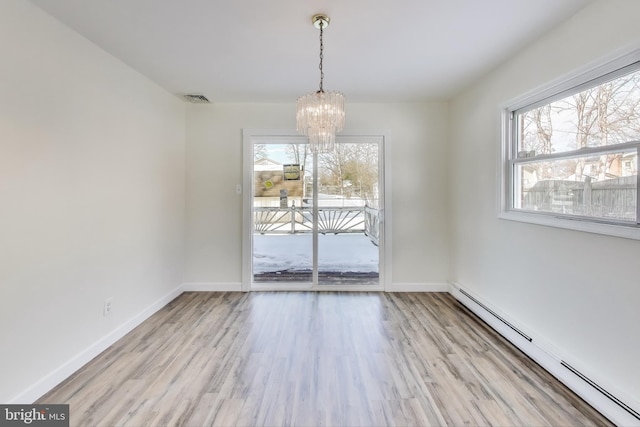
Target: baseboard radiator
493	313
601	390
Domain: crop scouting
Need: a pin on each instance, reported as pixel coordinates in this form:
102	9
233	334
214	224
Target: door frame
385	260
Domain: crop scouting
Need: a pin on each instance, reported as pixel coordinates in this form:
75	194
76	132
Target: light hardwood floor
316	359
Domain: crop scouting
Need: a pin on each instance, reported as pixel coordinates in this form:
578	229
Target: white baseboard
49	381
211	287
549	359
418	287
237	287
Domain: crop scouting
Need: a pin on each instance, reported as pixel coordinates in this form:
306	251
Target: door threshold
286	287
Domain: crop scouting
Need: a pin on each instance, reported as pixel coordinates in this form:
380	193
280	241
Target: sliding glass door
282	213
315	219
348	204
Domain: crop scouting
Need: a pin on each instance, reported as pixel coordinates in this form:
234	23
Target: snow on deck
336	253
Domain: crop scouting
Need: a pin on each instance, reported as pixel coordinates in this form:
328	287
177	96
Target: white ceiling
267	50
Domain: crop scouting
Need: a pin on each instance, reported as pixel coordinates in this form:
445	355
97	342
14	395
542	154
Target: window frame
588	76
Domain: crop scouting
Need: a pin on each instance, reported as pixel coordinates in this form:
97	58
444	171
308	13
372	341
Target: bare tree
298	153
353	169
536	130
606	114
259	151
331	164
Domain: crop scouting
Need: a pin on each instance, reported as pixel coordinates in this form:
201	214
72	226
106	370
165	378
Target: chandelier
320	114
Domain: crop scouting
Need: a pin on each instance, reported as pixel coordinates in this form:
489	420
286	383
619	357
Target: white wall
92	199
91	195
419	197
578	293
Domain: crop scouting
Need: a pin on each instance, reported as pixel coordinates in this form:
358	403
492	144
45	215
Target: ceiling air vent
197	99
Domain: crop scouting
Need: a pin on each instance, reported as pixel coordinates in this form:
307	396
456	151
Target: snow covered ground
336	253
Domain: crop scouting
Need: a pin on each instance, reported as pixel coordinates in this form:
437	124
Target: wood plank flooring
316	359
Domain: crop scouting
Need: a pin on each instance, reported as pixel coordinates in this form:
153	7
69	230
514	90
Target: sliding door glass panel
282	214
348	222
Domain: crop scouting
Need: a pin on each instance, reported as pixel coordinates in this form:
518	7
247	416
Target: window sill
615	230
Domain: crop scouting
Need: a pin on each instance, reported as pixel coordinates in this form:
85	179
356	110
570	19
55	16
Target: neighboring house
269	180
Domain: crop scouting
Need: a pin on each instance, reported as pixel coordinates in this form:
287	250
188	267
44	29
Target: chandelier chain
320	114
321	56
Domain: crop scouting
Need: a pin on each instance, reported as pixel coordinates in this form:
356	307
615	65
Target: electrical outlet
108	306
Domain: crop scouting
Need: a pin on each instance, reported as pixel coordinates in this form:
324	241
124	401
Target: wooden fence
612	198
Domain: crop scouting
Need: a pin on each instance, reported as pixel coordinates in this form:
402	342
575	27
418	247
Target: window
570	152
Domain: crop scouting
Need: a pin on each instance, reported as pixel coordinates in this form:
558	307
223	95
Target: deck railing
331	220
